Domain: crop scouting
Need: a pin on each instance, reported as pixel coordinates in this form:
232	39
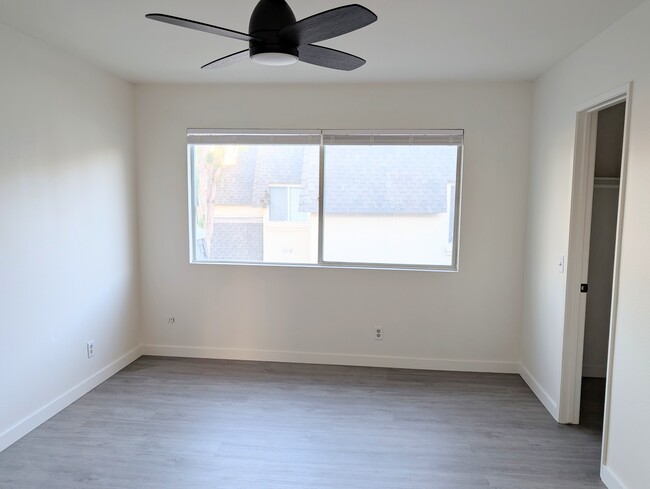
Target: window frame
451	190
324	133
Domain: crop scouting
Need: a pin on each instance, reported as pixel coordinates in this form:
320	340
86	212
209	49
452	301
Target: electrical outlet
90	348
378	333
171	320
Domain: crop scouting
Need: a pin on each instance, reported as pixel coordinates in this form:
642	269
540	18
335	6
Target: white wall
465	320
618	55
67	227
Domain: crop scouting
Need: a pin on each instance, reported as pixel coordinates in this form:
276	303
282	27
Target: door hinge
584	288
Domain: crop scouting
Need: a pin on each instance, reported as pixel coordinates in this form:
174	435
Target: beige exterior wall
238	212
291	242
386	239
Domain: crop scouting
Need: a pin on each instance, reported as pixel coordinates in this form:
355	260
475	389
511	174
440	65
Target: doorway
610	130
591	301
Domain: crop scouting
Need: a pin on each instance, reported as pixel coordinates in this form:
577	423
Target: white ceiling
413	41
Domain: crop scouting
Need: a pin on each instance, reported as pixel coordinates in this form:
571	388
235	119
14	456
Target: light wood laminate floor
168	423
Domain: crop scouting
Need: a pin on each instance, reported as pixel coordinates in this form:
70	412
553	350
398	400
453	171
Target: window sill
334	266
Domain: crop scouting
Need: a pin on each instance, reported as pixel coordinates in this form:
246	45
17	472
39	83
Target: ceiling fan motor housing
268	17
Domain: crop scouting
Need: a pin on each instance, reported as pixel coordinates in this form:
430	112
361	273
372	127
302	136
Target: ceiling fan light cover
274	59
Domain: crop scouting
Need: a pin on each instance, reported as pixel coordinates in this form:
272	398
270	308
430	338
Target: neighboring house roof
394	182
283	165
387	180
237	241
234	186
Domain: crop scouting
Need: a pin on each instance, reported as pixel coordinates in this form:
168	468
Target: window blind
425	137
330	137
249	136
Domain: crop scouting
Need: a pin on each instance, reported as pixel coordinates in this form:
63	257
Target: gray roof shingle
235	184
381	180
387	180
233	241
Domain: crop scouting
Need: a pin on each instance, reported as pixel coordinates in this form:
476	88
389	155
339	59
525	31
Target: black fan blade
328	24
231	59
200	26
329	58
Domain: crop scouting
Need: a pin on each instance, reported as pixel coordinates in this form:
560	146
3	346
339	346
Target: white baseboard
540	392
331	359
593	370
38	417
610	479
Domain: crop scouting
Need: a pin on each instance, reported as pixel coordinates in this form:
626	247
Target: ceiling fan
276	39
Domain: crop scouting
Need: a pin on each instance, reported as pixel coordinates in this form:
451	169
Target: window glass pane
278	209
388	204
241	202
296	214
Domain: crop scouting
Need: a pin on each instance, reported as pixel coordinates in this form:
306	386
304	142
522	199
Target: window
284	204
377	199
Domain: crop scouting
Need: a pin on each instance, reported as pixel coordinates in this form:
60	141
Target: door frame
578	254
